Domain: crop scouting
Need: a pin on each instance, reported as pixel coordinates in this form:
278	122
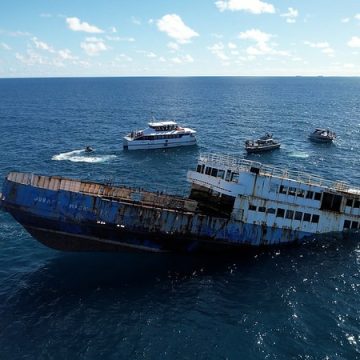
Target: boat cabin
164	126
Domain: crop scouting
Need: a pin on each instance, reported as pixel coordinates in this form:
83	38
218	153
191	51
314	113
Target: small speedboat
264	143
322	135
89	149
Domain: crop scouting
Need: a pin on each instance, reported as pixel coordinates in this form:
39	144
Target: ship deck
241	165
109	192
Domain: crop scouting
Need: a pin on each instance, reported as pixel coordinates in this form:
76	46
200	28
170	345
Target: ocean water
300	302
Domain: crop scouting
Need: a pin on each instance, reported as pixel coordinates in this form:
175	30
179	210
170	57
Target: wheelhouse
164	126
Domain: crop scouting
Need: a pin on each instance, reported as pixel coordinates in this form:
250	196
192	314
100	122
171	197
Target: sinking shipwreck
233	203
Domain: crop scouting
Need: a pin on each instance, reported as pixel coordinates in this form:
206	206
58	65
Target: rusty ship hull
74	215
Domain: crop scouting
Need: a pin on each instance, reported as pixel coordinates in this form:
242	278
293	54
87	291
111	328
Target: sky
62	38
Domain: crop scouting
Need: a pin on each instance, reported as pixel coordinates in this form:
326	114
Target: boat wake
82	156
299	154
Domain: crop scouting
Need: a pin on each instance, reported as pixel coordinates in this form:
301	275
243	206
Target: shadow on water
63	296
82	273
74	275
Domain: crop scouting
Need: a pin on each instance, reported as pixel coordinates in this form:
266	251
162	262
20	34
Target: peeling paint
261	214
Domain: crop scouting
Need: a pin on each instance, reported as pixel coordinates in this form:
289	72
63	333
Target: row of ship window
351	224
313	195
228	175
298	215
287	214
286	190
299	192
353	203
160	137
233	176
164	128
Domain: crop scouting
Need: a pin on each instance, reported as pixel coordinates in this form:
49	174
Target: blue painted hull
76	221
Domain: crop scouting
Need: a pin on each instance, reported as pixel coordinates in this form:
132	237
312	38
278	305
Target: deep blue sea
300	302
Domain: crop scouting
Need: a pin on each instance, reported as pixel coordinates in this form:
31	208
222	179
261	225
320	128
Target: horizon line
176	76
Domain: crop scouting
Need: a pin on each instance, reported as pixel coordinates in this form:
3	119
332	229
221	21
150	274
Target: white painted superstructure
159	135
270	197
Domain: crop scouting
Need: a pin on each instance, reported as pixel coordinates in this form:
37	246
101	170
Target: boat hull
324	140
157	144
74	221
87	237
260	149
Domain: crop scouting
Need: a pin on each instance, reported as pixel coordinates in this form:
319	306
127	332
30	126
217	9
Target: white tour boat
160	135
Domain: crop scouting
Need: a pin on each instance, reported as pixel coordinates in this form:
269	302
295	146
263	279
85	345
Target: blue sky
42	38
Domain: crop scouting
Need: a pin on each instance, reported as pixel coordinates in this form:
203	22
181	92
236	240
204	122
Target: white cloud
357	16
231	45
218	50
146	53
93	39
162	59
119	38
349	66
345	20
328	51
5	46
113	29
93	46
42	45
318	45
291	15
65	54
173	46
183	59
252	6
174	27
324	46
31	58
262	47
47	56
354	42
259	49
75	24
123	57
256	35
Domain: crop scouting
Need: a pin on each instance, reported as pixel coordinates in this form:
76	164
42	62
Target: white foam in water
299	154
81	156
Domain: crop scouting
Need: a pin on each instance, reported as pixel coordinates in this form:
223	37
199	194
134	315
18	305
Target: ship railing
240	164
121	193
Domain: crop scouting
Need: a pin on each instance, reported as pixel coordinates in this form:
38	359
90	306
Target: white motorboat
265	143
322	135
160	135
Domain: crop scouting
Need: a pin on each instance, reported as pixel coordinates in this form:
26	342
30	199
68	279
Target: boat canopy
162	123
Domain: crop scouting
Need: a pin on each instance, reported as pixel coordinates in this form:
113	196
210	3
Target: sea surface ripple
299	302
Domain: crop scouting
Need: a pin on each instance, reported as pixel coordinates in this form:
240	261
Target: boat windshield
164	127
